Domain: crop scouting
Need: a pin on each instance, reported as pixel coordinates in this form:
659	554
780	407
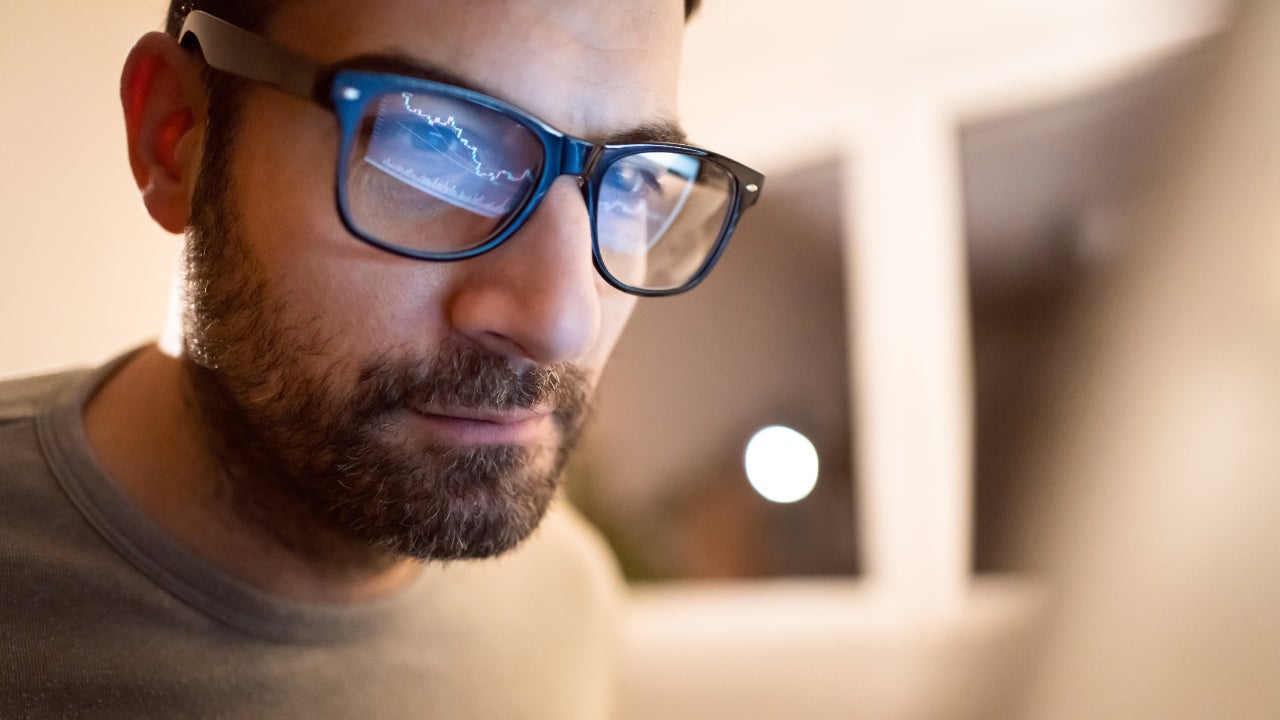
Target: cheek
365	299
370	306
284	186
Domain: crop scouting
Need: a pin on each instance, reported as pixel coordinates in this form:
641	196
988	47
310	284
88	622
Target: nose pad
585	189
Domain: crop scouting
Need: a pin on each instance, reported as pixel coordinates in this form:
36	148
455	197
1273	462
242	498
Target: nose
536	296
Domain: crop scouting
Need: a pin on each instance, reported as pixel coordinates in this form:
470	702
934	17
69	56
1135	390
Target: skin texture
170	427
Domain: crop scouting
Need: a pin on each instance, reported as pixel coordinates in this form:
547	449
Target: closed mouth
485	426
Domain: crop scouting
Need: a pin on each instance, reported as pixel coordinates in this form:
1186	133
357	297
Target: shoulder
570	543
21	398
570	568
30	496
546	617
565	565
34	507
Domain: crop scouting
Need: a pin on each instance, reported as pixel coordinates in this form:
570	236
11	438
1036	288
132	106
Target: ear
164	116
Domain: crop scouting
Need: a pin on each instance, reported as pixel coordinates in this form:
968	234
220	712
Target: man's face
415	407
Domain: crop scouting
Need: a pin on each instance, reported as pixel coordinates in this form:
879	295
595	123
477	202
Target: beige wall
83	272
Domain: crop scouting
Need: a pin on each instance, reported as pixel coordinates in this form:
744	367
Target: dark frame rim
231	49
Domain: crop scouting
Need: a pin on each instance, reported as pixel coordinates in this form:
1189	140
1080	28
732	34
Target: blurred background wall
983	280
85	273
1162	460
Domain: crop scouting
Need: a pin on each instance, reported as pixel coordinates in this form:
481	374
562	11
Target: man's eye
633	179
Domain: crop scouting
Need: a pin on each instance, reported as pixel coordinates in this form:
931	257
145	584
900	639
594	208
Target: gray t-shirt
104	615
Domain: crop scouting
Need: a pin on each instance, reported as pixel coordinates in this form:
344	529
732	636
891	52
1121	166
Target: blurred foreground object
1168	543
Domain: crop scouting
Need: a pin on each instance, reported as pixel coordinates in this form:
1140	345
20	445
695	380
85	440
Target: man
382	363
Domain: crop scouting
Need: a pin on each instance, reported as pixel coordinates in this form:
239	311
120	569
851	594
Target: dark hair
250	14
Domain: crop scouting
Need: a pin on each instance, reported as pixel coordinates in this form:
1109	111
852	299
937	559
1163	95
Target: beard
315	445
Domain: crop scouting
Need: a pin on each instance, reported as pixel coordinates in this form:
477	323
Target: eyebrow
665	130
662	130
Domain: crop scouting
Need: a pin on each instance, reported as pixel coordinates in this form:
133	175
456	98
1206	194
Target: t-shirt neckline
166	562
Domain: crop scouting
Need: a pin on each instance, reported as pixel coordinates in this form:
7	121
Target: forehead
587	67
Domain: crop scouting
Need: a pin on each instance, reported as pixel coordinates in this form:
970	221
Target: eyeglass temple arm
233	50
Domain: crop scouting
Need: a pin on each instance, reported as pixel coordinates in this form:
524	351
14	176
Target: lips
484	426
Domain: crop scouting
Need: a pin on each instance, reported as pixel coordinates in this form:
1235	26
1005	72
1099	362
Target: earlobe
163	99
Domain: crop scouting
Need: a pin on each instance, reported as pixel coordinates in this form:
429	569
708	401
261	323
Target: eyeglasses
433	171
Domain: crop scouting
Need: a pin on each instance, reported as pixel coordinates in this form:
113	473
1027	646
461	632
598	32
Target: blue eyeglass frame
348	91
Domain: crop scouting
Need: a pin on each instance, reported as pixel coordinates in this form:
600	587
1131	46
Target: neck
147	431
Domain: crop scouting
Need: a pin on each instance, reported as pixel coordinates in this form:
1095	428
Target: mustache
462	375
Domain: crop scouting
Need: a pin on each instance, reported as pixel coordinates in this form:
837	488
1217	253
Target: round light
782	464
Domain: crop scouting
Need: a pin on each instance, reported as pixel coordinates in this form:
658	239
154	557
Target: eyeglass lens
435	173
658	216
438	174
